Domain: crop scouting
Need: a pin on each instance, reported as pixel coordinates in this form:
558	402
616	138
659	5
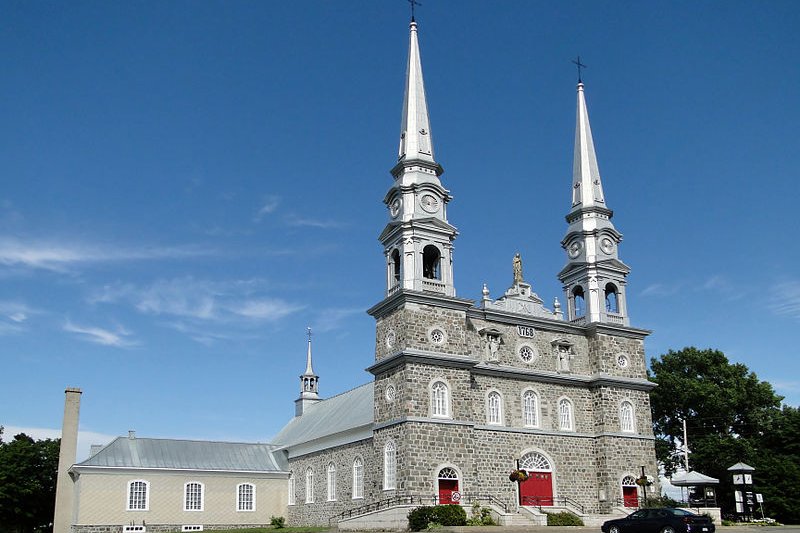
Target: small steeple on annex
417	239
309	383
594	278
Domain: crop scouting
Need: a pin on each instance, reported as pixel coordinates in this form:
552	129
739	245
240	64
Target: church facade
466	392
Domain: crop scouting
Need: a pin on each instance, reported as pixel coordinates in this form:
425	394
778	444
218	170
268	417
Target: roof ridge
205	441
343	393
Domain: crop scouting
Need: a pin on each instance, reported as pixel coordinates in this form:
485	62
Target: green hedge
445	515
564	518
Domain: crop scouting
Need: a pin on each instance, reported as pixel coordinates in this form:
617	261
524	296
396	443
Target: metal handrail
549	501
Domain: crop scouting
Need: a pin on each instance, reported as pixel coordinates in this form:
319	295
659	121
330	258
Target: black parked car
664	520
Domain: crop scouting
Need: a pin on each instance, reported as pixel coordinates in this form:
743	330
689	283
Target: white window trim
447	407
571	414
239	501
202	495
291	498
358	484
331	478
537	415
499	421
390	483
309	485
146	495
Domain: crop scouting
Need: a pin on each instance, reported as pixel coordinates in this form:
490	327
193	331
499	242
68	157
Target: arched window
193	496
358	478
612	299
396	265
565	422
245	497
494	408
431	259
138	495
331	482
291	489
439	400
530	409
309	485
389	466
627	421
580	305
535	462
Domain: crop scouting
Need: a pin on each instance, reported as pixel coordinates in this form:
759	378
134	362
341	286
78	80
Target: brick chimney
62	520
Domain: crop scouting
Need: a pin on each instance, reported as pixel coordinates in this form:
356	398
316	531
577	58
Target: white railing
616	319
432	286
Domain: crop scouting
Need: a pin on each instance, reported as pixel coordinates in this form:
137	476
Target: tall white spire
587	189
594	278
415	128
418	239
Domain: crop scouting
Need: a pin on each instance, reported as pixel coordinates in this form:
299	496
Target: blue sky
187	185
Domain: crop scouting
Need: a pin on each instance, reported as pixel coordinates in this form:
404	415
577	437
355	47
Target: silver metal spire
309	370
415	128
587	189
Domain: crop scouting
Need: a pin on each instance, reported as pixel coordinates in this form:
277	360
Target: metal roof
346	411
127	452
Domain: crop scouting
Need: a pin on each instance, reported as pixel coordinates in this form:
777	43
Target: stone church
466	394
465	391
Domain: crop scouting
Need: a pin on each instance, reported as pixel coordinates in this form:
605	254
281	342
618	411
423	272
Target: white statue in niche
492	346
564	355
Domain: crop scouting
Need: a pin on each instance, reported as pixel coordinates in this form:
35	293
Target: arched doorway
538	488
630	493
448	486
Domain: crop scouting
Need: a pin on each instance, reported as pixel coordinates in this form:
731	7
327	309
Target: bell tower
594	278
418	240
309	383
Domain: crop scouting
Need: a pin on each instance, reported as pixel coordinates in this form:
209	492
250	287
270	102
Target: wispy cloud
296	221
332	319
269	206
119	338
13	316
59	256
786	299
659	289
193	305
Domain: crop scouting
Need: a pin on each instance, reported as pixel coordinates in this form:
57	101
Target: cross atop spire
413	3
578	63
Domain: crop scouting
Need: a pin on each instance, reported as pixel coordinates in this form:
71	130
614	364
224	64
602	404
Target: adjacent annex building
464	391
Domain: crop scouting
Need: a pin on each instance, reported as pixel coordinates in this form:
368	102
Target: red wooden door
630	497
537	489
446	489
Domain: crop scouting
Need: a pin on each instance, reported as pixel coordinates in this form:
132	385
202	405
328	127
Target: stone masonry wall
318	513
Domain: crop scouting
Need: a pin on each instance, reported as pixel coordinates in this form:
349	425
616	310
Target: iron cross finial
413	3
580	66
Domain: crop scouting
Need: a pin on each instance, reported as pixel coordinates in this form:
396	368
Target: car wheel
614	529
668	529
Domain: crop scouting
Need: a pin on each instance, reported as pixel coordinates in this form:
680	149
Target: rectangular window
246	497
291	489
193	498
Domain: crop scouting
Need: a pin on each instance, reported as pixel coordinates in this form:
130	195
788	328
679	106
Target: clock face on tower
574	249
607	245
429	203
394	207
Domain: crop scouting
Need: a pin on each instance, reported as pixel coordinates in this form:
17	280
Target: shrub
445	515
277	522
564	518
